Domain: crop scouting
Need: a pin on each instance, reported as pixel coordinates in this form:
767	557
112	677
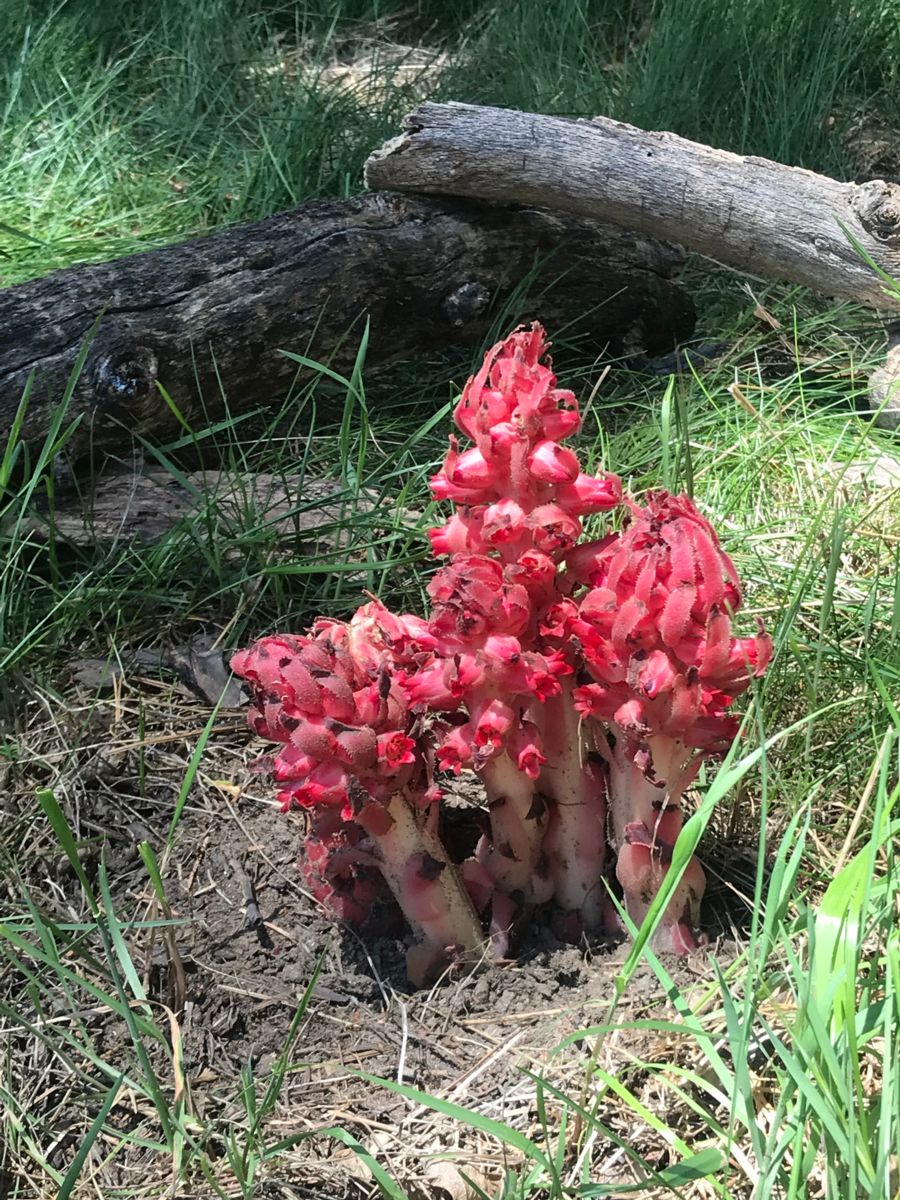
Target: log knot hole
877	206
124	376
465	303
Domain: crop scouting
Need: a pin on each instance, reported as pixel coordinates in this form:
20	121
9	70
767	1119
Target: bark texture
754	215
207	319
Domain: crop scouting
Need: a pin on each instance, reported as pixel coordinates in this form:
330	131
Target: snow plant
582	683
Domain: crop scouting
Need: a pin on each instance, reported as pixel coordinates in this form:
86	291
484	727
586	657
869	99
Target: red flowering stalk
350	752
656	635
519	498
477	621
575	843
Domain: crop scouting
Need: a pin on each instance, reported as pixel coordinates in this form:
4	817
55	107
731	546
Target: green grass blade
487	1125
71	1177
122	953
63	833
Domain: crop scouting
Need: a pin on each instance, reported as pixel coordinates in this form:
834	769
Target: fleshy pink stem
646	818
518	815
427	888
575	789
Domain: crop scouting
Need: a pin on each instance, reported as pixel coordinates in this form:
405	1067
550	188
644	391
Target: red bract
655	632
339	870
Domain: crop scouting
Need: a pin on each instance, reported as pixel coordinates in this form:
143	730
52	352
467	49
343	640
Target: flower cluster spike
517	491
572	678
350	753
655	629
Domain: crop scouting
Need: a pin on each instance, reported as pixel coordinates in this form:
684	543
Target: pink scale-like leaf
337	698
749	657
356	746
292	764
461	535
432	685
714	734
682	560
627	619
472	470
583	563
686	705
587	494
371	815
637	834
503	647
675	617
498	442
566	421
709	562
313	738
600	607
717	649
632	717
553	463
654	674
626	560
646	579
423	897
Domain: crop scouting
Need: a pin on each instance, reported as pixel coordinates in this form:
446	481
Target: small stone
884	387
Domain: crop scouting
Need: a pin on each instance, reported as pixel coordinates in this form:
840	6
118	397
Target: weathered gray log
754	215
125	506
208	317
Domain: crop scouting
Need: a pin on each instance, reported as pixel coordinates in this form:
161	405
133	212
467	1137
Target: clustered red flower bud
571	677
478	621
332	698
517	490
655	627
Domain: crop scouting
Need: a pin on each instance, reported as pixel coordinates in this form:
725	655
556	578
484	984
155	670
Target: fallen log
757	216
126	506
207	319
